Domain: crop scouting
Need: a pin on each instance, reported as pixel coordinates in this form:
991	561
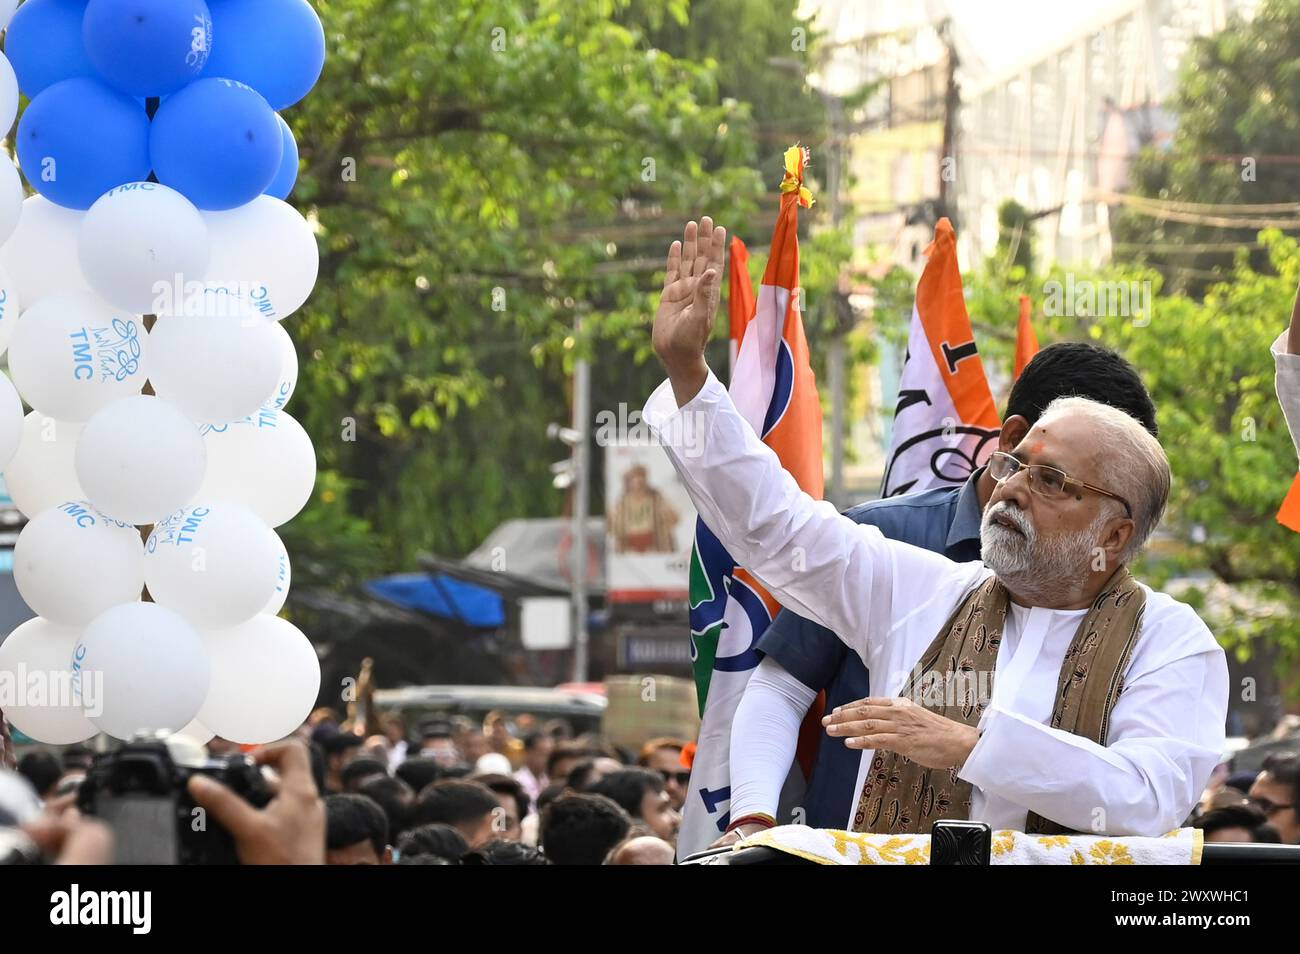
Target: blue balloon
78	139
44	44
216	142
148	47
287	177
275	46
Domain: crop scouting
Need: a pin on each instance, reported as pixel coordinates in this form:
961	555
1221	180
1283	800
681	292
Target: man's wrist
688	379
969	738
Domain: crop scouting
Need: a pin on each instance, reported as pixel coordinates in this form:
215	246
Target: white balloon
214	369
9	307
41	256
150	666
7	8
195	732
37	654
72	563
43	474
264	252
264	461
11	198
216	562
8	96
288	371
72	354
265	678
11	422
142	245
140	459
282	579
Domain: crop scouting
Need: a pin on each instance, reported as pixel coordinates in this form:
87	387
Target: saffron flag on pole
1026	339
945	422
773	387
740	301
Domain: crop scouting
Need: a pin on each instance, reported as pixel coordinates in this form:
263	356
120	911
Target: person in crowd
436	743
419	772
505	853
290	830
492	763
469	807
432	841
377	747
563	758
43	770
587	773
580	829
396	798
665	757
644	796
1240	822
513	801
500	738
532	774
394	729
356	832
642	850
361	770
339	749
1277	793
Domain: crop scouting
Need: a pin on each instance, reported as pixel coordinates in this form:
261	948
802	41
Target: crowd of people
456	791
507	790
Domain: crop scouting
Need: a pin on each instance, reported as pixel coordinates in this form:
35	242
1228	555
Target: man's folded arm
1166	736
764	737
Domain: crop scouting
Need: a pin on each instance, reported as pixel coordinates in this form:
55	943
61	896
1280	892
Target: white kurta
1287	381
888	600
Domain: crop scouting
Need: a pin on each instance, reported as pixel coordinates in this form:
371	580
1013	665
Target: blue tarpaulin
442	595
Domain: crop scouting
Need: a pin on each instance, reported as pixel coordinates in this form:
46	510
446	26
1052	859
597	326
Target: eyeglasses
681	778
1270	808
1045	481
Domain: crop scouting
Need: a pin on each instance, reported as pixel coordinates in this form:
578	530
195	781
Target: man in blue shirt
944	520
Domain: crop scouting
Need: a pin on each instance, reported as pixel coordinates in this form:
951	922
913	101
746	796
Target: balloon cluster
160	166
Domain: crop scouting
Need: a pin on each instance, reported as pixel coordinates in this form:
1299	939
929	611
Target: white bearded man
1108	701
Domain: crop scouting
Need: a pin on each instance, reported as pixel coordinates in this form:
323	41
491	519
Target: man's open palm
692	289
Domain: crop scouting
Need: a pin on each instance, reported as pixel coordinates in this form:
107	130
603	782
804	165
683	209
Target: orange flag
1289	515
1026	340
945	423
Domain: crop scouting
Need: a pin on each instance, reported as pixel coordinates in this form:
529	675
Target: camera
140	791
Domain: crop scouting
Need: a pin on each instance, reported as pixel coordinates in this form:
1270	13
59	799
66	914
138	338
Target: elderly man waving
1043	689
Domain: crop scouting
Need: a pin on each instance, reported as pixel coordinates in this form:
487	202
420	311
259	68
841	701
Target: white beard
1043	568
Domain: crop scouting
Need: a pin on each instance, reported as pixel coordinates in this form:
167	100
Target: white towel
830	847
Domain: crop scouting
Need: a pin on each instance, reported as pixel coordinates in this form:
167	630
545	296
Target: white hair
1131	463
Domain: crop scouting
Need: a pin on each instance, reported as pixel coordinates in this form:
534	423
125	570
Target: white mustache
1012	514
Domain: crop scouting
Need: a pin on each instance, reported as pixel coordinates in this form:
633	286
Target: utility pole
581	494
835	358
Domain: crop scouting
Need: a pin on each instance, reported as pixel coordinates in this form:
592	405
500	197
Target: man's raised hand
692	290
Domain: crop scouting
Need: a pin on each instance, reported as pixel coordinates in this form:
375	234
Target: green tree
482	174
1238	112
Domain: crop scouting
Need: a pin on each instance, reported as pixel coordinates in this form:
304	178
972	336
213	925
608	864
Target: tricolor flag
772	385
1026	339
945	422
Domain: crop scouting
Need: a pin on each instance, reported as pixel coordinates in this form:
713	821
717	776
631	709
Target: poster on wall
650	526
